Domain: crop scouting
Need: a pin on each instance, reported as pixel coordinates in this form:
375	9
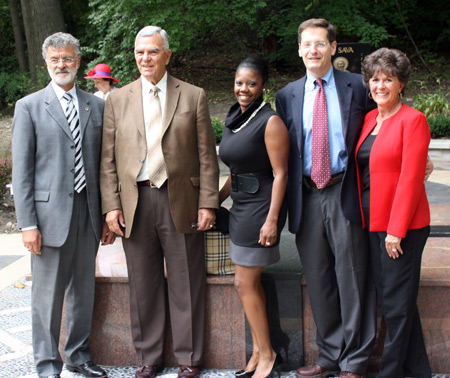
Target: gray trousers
335	258
65	273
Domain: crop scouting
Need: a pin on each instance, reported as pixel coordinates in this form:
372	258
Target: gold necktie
156	166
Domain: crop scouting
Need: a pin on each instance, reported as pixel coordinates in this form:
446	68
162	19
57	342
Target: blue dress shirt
338	152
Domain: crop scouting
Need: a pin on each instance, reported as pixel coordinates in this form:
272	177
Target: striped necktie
320	147
74	124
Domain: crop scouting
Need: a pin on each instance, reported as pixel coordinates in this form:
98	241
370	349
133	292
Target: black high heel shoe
276	368
283	341
244	374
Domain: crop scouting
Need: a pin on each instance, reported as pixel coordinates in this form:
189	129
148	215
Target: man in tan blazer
159	184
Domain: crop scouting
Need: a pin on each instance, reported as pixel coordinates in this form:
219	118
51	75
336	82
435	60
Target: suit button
70	194
72	170
72	147
141	161
135	185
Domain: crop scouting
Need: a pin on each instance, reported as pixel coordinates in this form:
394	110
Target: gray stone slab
5	260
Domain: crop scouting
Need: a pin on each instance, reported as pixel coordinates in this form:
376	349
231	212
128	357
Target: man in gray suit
56	146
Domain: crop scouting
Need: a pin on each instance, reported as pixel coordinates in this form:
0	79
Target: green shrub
270	93
5	172
432	104
14	86
217	126
439	126
436	108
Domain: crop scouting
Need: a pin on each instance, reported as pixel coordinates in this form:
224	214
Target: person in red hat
101	74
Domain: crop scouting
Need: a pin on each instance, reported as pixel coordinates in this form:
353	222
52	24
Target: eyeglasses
55	61
318	45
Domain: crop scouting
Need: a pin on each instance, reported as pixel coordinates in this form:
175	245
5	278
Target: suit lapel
53	107
84	110
298	95
344	91
172	96
135	105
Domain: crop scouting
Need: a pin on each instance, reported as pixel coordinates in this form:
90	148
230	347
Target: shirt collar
310	79
60	92
162	84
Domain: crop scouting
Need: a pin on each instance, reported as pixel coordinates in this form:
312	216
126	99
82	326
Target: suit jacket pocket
188	114
41	195
195	181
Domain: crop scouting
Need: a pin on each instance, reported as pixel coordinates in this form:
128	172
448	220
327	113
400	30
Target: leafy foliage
191	25
439	126
432	104
13	86
217	126
16	85
107	29
436	108
270	93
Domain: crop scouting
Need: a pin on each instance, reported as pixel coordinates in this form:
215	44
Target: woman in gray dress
255	146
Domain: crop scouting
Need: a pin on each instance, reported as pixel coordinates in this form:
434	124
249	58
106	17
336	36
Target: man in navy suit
327	222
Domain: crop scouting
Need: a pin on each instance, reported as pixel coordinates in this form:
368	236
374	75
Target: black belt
249	182
309	183
150	184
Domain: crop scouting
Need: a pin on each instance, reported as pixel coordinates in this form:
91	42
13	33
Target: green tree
191	25
226	29
40	18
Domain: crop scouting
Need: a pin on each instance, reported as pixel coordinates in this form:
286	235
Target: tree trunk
41	18
18	36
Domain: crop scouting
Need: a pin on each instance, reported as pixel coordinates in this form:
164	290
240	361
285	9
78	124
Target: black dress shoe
88	369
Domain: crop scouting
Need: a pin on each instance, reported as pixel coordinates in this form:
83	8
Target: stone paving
16	359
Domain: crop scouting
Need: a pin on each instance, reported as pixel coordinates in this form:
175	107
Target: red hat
101	71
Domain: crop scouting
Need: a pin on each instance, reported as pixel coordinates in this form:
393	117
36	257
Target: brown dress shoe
348	374
146	371
186	371
314	371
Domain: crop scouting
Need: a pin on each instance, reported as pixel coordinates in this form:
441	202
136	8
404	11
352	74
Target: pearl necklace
249	118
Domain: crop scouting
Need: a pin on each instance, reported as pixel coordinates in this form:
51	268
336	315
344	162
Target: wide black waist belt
249	182
309	183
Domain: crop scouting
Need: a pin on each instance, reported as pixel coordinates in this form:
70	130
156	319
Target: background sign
349	56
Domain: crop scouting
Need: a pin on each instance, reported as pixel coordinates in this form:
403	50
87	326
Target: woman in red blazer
392	154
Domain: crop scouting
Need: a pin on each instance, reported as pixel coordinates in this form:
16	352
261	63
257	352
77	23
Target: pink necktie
320	148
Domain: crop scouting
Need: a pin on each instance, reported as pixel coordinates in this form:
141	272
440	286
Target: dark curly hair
389	61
